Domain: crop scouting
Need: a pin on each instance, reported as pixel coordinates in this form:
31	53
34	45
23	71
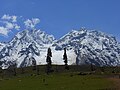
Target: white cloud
28	23
8	17
10	26
4	31
14	18
35	21
16	27
31	23
9	23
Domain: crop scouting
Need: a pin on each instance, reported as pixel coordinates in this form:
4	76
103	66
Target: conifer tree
48	60
14	68
65	59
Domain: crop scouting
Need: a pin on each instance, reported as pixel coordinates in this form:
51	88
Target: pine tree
65	59
14	68
48	60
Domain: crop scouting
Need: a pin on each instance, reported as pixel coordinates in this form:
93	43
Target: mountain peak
83	47
91	46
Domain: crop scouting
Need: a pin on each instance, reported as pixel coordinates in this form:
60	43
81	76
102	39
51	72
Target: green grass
56	81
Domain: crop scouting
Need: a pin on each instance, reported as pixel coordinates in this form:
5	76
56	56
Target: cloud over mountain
7	24
11	23
31	23
8	17
83	46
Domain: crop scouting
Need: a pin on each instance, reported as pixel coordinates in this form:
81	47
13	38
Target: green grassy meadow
60	80
56	82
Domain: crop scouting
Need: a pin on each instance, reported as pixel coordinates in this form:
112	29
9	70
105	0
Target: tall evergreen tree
65	59
48	60
14	68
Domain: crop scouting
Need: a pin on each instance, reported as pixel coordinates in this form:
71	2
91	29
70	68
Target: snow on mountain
2	45
91	47
83	47
23	46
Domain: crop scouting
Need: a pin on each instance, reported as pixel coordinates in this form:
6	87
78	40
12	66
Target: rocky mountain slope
83	47
91	47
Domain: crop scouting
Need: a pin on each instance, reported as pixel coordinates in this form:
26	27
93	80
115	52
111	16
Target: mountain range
83	47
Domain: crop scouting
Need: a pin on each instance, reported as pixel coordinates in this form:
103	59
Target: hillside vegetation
76	78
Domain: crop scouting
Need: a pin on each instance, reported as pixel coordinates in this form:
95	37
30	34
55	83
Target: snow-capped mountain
91	47
83	47
23	46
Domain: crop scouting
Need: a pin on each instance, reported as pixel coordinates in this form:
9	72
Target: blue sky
58	17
